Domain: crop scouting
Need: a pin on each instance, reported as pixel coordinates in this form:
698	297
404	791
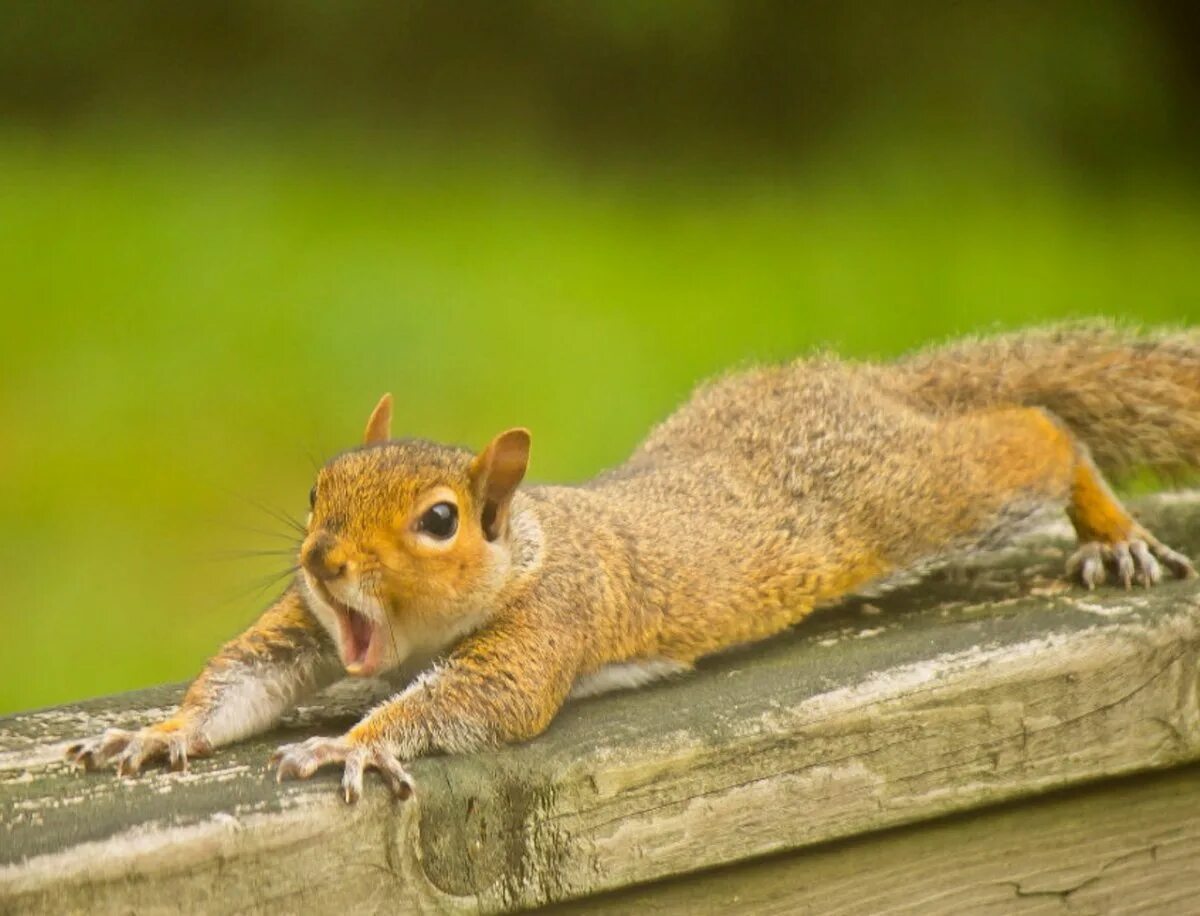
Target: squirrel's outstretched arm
242	691
504	683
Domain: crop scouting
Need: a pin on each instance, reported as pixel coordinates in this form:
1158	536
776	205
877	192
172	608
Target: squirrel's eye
312	497
439	520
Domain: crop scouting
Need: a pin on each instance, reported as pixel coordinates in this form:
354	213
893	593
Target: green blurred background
226	228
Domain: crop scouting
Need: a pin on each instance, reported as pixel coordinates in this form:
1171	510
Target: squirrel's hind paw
1139	559
128	751
300	761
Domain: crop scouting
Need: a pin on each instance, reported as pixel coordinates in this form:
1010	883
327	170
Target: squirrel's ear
495	473
379	427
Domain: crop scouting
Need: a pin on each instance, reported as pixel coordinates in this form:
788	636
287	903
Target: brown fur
1131	395
768	493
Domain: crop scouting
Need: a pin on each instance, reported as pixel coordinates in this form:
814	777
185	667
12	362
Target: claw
1179	565
352	778
130	761
1125	565
98	752
1087	564
1150	571
177	757
396	776
129	751
299	761
1139	559
290	768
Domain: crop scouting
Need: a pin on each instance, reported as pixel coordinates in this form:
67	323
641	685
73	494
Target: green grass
187	327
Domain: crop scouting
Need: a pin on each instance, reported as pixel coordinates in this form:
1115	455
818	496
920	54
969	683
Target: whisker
299	525
278	535
280	516
258	586
283	518
376	592
273	580
250	554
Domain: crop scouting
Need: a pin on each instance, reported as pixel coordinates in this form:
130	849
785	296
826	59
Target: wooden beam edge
761	752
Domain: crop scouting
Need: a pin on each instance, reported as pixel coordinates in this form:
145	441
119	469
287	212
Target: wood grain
981	685
1123	846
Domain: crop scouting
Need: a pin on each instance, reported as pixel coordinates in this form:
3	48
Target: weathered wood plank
990	684
1123	846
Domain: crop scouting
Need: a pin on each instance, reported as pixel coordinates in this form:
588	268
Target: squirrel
772	491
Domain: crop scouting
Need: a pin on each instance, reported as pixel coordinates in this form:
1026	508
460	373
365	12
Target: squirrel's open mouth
359	642
358	632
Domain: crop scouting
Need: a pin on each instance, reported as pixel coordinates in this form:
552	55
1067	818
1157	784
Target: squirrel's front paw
129	750
300	761
1139	559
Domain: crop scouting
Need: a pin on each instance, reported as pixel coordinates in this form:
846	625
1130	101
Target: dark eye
312	497
439	520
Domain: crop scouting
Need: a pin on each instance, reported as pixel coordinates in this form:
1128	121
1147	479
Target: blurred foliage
1094	82
227	228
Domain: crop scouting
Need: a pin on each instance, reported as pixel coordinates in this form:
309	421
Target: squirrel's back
1132	396
820	459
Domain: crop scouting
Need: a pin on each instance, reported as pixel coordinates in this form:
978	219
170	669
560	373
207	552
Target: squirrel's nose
316	559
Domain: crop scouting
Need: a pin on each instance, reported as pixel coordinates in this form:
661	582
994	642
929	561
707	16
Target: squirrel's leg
242	691
502	684
1109	536
1031	450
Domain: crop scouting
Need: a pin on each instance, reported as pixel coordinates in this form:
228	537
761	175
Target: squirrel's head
408	541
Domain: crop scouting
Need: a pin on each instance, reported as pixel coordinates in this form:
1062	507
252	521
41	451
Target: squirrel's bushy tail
1132	396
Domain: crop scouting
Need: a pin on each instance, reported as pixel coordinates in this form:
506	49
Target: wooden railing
988	683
